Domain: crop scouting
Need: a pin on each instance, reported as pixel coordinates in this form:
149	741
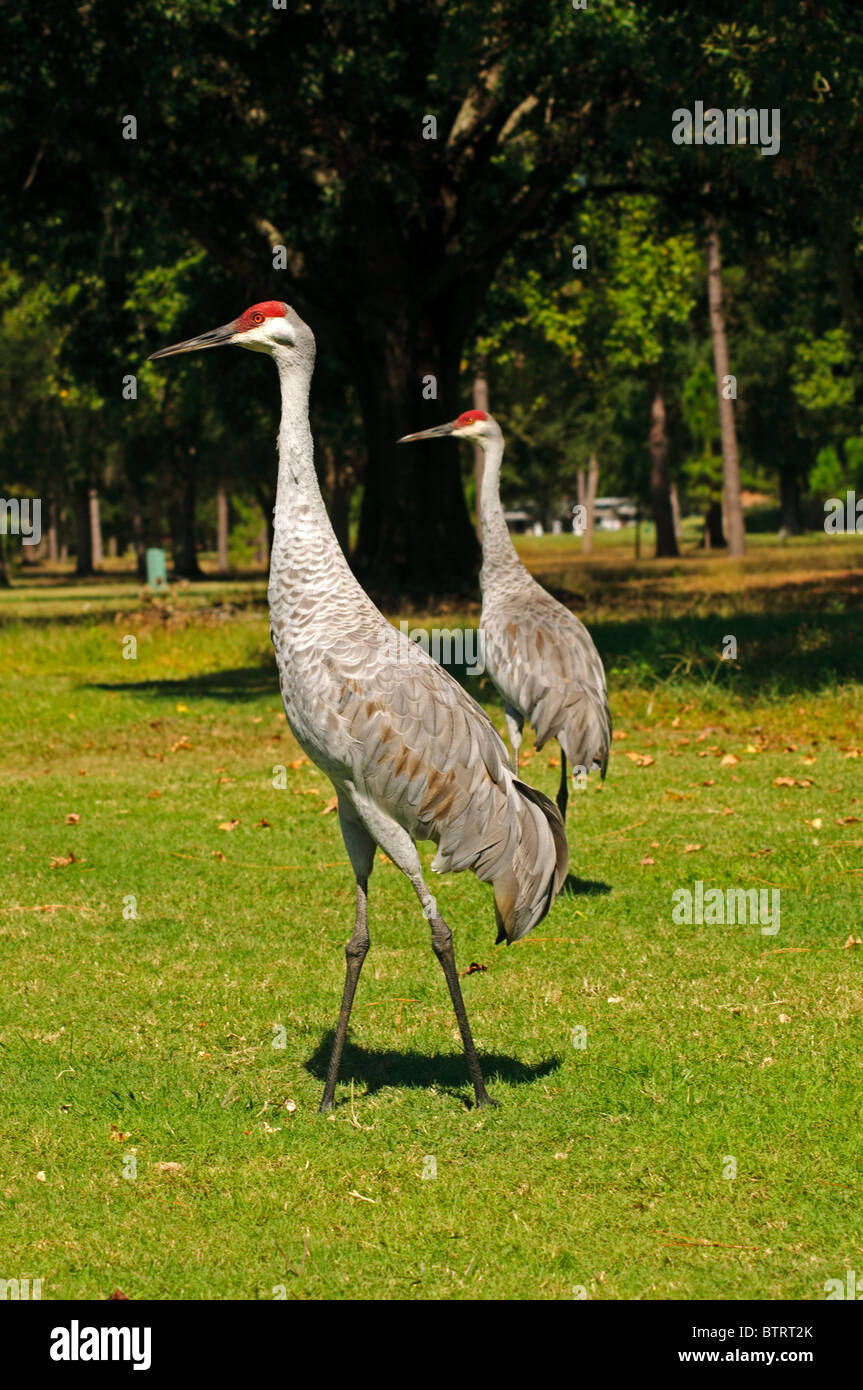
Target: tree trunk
480	402
417	535
184	534
53	549
675	515
96	529
5	581
727	429
714	537
660	482
590	505
789	502
338	493
138	539
266	501
265	546
83	534
223	530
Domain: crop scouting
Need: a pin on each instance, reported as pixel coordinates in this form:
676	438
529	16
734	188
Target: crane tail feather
525	890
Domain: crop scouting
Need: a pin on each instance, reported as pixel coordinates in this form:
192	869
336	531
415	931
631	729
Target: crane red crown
470	417
268	308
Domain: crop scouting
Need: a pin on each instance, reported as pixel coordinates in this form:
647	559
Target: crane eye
257	318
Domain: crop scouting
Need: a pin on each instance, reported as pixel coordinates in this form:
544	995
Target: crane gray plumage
539	655
411	756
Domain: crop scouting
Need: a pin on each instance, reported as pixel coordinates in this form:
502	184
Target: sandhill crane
411	756
539	655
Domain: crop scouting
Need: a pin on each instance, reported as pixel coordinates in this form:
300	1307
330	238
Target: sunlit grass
131	1042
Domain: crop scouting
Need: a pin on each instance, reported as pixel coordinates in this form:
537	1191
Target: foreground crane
539	655
411	756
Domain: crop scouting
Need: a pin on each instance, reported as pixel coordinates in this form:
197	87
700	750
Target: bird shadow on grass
238	683
374	1069
574	887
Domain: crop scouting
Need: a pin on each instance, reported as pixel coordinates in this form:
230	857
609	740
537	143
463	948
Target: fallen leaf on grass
473	968
117	1294
330	806
647	860
181	744
224	780
816	824
168	1167
690	849
228	824
58	862
641	759
847	820
851	943
619	734
262	824
730	760
151	796
783	781
297	764
72	818
217	854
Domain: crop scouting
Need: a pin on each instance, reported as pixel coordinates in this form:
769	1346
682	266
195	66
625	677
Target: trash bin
157	569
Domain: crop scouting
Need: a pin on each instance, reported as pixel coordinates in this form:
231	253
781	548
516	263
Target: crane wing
427	754
544	662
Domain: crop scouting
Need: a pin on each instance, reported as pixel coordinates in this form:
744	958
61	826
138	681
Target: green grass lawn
148	1043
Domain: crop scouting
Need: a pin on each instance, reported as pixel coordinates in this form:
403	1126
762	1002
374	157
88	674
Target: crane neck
301	523
295	444
498	552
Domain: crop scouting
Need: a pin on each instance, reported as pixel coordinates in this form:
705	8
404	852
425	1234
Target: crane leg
514	726
397	844
361	850
355	953
441	940
443	949
563	790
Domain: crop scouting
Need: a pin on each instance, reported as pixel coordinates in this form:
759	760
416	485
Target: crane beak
217	337
435	433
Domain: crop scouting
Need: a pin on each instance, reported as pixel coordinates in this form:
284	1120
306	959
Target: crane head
264	327
471	424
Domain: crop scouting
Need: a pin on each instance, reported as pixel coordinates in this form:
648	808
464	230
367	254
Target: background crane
410	754
539	655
